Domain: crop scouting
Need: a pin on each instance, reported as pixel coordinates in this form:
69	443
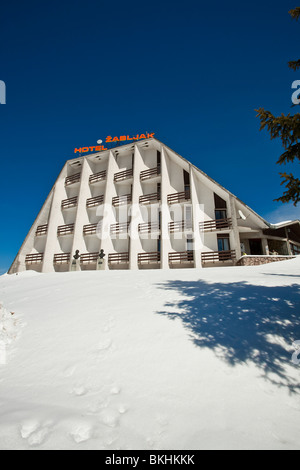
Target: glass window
221	214
223	244
295	249
189	244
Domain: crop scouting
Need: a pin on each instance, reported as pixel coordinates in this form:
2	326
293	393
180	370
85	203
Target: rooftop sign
114	140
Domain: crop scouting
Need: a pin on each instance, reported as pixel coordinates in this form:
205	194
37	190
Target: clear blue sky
193	72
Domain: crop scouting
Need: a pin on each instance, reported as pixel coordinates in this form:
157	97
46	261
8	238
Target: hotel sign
114	140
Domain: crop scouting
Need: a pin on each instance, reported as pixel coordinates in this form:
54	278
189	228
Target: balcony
178	198
123	176
215	256
36	258
41	230
68	203
117	229
89	258
121	200
97	177
62	258
150	227
118	258
181	226
73	179
181	257
65	230
94	201
149	174
153	257
214	225
150	198
91	229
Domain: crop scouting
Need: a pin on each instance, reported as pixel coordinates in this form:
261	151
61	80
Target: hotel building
146	207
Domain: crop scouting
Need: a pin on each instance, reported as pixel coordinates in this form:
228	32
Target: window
159	190
188	216
223	243
221	214
158	159
189	244
219	202
295	249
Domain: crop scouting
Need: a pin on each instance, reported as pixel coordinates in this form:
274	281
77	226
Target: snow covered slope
183	359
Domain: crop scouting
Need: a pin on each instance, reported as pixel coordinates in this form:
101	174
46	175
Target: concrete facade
147	208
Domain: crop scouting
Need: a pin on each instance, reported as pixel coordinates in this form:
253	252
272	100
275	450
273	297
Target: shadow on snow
242	323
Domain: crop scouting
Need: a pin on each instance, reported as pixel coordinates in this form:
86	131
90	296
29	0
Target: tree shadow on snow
242	323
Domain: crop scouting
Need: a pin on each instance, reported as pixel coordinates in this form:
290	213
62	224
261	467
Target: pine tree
286	128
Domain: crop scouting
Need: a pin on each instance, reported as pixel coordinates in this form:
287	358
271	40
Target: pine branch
295	14
293	189
290	155
287	128
294	65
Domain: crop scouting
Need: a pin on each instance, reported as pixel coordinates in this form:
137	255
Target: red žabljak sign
114	140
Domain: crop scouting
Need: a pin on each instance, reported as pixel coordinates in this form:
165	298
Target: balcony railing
97	177
89	258
90	229
36	258
118	258
62	258
123	175
181	257
215	256
117	229
180	226
67	203
94	201
153	257
41	230
213	225
72	179
121	200
150	198
149	227
65	230
148	174
177	198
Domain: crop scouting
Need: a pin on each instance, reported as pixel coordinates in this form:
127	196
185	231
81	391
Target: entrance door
256	247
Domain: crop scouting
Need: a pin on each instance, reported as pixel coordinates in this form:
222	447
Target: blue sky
192	72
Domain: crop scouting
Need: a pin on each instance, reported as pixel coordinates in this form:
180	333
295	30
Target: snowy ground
189	359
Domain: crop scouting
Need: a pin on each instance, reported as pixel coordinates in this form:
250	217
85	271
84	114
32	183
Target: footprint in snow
79	391
104	345
34	432
69	371
110	418
81	432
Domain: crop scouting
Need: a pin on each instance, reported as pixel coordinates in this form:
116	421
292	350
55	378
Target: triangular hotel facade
146	207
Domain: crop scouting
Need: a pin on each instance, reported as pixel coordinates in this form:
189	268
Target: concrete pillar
165	212
135	216
108	209
235	231
197	217
50	247
84	194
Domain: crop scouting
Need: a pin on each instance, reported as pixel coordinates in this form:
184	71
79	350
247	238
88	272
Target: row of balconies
117	201
183	257
118	177
144	228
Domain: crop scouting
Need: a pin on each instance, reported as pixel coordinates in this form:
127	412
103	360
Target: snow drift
183	359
